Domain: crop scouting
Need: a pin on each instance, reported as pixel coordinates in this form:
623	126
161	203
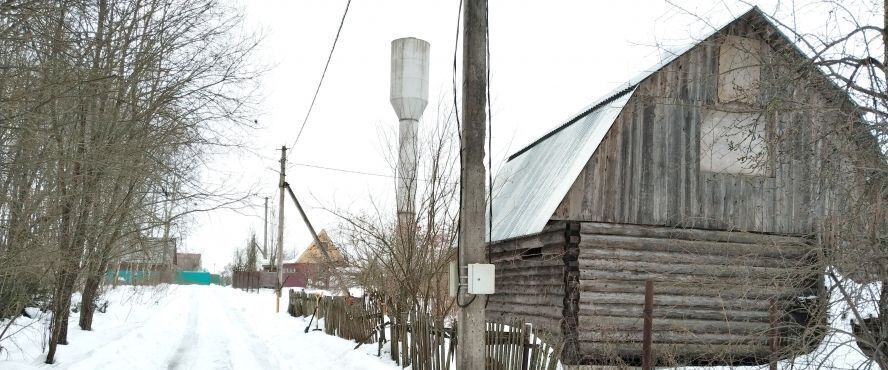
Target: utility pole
471	323
280	241
265	231
167	220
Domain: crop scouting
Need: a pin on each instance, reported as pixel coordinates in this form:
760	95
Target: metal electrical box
481	278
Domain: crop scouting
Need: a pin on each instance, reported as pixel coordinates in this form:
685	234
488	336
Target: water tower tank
410	77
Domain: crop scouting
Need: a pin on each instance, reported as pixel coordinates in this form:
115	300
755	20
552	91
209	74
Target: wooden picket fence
418	339
516	346
345	317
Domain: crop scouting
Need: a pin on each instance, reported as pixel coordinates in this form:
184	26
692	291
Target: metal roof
536	178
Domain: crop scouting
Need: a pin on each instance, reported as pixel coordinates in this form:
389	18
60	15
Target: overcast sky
549	59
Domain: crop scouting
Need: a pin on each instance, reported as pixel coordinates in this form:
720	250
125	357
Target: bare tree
252	258
408	266
103	106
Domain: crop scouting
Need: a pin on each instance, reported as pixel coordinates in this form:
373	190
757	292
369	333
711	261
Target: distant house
294	275
313	253
188	261
308	270
150	254
678	178
150	261
318	271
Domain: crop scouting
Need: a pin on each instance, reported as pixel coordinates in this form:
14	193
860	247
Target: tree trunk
880	340
61	306
67	291
61	299
90	294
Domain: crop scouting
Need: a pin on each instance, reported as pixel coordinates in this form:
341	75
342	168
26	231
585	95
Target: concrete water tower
409	96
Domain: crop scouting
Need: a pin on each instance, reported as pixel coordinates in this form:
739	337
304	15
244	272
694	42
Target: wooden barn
692	176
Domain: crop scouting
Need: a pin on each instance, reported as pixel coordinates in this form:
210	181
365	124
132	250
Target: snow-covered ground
190	327
213	327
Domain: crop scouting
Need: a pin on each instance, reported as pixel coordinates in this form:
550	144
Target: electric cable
323	74
489	141
461	185
355	172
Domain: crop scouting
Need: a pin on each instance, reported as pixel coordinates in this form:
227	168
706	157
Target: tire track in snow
188	341
218	337
257	346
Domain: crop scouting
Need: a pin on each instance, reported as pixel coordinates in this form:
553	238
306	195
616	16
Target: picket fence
418	339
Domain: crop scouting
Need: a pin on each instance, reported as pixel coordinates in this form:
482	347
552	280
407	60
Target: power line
459	135
323	74
342	170
355	172
489	137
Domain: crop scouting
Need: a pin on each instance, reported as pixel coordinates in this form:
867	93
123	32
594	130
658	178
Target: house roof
536	178
313	253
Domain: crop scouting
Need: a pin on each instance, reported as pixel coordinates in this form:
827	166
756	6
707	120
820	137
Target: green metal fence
127	277
193	278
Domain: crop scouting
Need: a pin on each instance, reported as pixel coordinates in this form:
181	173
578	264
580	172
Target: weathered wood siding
533	289
711	293
647	169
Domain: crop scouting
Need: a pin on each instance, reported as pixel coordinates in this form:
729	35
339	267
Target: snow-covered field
189	327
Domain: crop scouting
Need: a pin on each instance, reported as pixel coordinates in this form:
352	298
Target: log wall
712	292
532	288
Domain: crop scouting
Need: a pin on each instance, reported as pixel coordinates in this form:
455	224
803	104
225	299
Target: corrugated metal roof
534	180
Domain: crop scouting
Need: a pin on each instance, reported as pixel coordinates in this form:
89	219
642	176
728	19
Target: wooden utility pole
471	324
265	231
167	220
327	260
280	241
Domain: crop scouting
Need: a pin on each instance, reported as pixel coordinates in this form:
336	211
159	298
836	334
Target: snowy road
215	329
196	327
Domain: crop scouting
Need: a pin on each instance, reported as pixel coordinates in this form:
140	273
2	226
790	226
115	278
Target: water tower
409	97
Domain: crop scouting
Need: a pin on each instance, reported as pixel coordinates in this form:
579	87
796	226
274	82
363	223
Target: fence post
526	344
405	339
381	328
393	330
772	337
647	362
